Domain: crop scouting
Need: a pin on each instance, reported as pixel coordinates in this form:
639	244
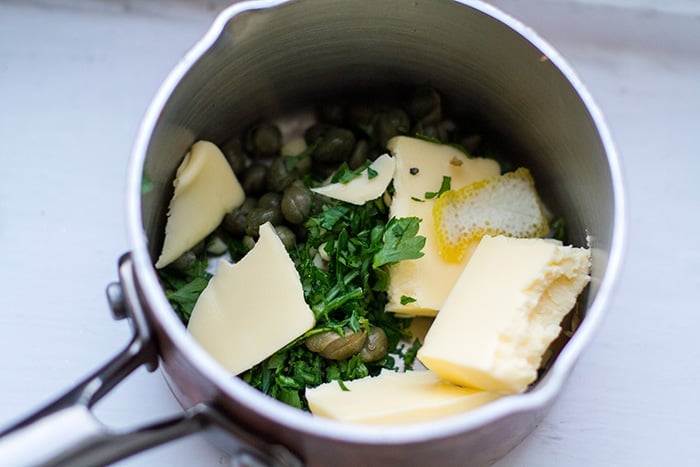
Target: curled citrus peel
507	205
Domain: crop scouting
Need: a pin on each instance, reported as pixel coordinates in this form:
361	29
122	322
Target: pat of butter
420	168
205	190
361	189
394	398
253	308
504	311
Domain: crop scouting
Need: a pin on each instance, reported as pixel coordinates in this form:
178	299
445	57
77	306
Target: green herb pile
349	292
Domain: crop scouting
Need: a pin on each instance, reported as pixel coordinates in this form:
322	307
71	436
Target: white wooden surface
75	79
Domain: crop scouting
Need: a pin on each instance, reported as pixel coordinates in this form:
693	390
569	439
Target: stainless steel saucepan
274	57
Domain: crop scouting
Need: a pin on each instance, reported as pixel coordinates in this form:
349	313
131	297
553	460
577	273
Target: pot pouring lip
162	316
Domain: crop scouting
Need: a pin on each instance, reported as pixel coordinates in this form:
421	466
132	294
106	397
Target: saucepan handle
67	433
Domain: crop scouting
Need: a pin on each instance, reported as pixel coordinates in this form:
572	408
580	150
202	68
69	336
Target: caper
258	216
320	341
333	346
345	347
425	105
263	139
448	126
234	155
248	242
236	221
330	112
359	155
323	171
319	201
471	142
301	232
300	164
335	146
296	203
360	115
316	131
431	131
254	179
391	123
270	200
287	236
184	262
198	249
376	346
279	176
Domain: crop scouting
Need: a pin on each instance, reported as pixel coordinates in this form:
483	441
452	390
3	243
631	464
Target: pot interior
279	62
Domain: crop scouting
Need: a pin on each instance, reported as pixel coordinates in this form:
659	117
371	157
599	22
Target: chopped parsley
146	184
401	241
350	291
409	356
344	173
557	229
405	299
444	186
186	296
182	288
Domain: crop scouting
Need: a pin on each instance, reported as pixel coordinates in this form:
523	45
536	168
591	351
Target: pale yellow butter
504	311
361	189
394	398
420	168
205	190
253	308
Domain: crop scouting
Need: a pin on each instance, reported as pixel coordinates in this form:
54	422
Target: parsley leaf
428	138
344	173
330	216
183	287
558	229
400	241
405	299
444	186
410	354
186	296
146	184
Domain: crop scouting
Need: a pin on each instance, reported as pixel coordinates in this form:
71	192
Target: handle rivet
117	302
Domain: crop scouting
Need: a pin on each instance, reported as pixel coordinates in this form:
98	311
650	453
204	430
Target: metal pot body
272	58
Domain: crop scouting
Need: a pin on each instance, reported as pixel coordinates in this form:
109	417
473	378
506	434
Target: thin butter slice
253	308
394	398
361	189
504	311
420	168
205	190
